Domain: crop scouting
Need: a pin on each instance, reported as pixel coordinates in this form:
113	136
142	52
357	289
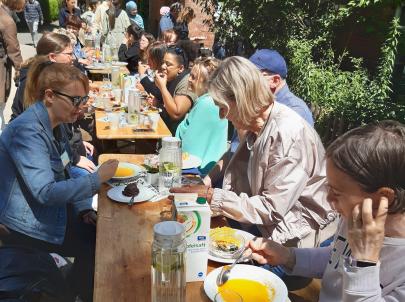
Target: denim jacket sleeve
39	167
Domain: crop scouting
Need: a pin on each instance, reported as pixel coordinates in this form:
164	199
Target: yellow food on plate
225	239
249	290
124	172
185	155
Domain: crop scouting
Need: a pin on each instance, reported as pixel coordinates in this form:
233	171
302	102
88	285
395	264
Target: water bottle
168	262
170	163
134	106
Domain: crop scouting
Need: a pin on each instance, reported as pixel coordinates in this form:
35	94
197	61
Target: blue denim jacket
35	187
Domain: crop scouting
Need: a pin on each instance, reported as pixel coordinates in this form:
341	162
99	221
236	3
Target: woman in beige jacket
10	54
274	185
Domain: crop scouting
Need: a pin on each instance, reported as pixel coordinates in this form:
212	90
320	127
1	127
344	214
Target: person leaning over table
365	171
40	205
202	132
275	183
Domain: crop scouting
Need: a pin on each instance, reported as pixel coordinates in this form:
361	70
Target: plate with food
124	193
127	170
190	161
251	283
117	63
226	244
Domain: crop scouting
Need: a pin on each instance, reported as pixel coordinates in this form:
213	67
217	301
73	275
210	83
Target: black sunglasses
76	100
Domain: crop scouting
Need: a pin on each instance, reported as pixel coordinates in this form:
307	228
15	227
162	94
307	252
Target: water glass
107	105
114	118
117	94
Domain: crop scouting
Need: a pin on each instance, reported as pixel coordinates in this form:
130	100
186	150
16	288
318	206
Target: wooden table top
123	70
123	249
104	132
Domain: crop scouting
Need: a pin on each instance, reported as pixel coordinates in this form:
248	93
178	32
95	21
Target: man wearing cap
274	69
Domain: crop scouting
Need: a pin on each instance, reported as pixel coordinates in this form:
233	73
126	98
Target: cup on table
227	295
153	119
117	92
114	119
107	104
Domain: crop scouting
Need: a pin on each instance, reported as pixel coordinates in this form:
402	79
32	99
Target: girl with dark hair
146	40
40	205
68	9
365	172
130	50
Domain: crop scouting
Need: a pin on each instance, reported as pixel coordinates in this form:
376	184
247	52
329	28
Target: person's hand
89	217
201	190
107	170
89	148
142	68
84	62
266	251
160	80
86	164
366	232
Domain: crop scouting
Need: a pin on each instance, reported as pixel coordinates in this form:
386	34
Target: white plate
191	162
249	272
116	63
215	258
95	67
135	168
116	194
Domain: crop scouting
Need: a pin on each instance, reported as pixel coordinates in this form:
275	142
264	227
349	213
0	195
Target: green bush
50	9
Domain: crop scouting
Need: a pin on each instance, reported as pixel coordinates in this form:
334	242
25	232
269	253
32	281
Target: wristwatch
359	263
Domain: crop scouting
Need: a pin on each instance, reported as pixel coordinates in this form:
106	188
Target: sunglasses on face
76	100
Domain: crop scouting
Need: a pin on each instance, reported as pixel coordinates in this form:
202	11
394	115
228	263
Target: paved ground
27	51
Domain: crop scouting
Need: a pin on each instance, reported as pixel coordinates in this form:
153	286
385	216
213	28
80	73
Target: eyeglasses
70	54
76	100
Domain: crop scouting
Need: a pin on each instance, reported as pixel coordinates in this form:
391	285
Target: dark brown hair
44	74
374	156
156	52
52	43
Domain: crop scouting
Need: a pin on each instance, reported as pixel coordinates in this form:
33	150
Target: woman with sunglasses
40	205
202	132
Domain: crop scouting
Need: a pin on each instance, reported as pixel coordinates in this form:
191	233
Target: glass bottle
134	106
168	262
115	76
170	163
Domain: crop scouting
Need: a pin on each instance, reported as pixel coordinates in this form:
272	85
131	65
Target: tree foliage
303	30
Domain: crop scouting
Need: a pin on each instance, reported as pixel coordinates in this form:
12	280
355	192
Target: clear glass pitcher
134	106
168	262
170	163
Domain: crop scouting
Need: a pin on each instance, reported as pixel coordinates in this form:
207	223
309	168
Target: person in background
100	11
33	18
10	54
202	132
114	24
74	25
134	17
130	50
40	205
367	187
146	40
68	9
170	37
168	19
274	68
90	14
155	54
191	48
275	184
181	27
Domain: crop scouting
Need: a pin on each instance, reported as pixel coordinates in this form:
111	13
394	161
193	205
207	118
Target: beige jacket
279	184
8	37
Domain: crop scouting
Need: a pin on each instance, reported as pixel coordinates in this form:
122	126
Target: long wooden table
123	249
103	130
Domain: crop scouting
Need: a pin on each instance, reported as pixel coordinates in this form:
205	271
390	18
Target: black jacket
130	55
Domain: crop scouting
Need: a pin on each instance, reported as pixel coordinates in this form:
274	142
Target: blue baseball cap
270	60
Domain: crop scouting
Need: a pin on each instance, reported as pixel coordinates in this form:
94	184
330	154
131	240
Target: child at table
365	172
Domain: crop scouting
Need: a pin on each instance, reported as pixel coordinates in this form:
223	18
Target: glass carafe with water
168	262
170	163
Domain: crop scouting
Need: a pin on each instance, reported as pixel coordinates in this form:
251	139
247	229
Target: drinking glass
227	295
114	118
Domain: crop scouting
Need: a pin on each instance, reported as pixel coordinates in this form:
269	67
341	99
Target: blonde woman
202	131
275	182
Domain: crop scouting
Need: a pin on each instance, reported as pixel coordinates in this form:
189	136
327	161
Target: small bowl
225	244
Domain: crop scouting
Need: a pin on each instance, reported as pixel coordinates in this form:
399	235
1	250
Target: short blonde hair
237	80
204	68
